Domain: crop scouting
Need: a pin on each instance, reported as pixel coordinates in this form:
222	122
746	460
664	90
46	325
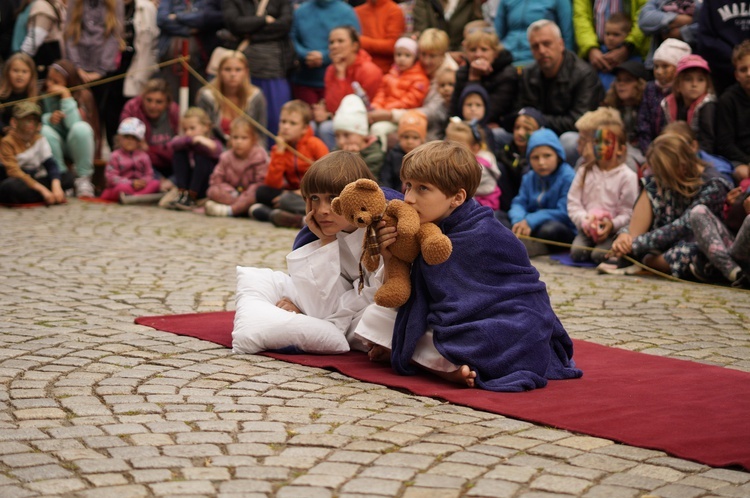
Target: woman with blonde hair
232	86
92	34
659	233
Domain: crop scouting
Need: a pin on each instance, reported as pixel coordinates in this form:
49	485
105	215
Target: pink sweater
124	167
614	191
241	172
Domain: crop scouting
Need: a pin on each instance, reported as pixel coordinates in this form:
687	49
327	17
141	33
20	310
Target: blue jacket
514	16
313	20
654	22
543	199
204	16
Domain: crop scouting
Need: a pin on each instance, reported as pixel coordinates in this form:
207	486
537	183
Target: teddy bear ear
336	206
366	184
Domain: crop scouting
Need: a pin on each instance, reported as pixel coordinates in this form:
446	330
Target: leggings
725	252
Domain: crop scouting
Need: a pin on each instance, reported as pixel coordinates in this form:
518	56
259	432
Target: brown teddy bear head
360	202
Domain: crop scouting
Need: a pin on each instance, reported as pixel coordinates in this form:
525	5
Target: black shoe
281	218
260	212
704	271
186	202
742	281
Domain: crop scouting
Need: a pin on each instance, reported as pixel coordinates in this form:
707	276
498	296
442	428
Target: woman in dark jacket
266	24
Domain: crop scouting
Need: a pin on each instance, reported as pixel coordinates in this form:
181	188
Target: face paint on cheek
605	144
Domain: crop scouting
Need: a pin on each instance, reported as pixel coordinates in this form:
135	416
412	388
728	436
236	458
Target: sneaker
260	212
84	187
621	267
706	273
186	202
742	281
217	209
170	198
281	218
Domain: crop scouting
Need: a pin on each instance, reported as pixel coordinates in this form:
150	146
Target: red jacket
382	23
287	166
405	90
362	71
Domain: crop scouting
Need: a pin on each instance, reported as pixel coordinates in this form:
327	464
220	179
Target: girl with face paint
601	198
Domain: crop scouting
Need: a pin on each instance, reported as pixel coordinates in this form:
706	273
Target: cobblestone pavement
95	406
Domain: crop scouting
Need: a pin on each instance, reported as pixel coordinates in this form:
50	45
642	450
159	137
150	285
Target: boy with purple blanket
483	318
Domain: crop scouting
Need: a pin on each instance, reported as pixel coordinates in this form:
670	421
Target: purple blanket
487	308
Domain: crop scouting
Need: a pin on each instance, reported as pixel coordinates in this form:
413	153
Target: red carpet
692	411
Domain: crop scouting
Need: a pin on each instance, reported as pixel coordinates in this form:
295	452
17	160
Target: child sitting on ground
18	82
456	335
412	130
601	198
316	306
239	173
682	129
733	115
511	159
352	133
129	172
472	136
278	199
693	100
406	84
473	105
666	58
540	209
196	153
28	170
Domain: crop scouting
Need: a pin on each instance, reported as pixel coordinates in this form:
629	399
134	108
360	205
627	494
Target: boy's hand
287	305
479	68
139	184
314	59
604	229
733	195
56	117
57	192
522	228
597	59
312	224
386	237
280	145
616	57
49	197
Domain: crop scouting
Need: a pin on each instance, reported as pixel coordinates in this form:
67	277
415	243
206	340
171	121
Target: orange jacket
405	90
287	166
362	71
382	22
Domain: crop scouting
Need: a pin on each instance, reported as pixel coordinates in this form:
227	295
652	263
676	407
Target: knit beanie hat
407	43
351	116
413	121
470	89
671	51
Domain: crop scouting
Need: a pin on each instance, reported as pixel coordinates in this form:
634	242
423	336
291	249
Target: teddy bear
363	205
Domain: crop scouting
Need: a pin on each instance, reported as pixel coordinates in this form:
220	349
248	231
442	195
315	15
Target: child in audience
511	159
412	131
659	234
616	30
722	252
625	95
540	208
279	195
18	82
129	171
239	173
601	197
317	305
490	65
406	84
693	100
682	129
666	58
451	329
28	170
69	123
733	115
473	107
445	81
472	136
352	133
196	153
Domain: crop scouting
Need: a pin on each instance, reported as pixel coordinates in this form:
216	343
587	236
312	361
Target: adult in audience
449	15
44	33
721	27
382	23
662	19
559	84
270	54
312	22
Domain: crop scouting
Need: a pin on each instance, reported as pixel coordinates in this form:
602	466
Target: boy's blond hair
448	165
199	114
299	106
740	51
434	40
603	116
334	171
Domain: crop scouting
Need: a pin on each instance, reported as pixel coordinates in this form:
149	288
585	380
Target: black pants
15	190
192	174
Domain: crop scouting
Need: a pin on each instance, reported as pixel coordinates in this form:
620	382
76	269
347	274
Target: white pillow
260	326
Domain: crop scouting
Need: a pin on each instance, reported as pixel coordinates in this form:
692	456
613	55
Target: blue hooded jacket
542	199
312	22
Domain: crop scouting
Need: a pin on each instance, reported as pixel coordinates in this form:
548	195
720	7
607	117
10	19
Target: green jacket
373	156
586	38
430	14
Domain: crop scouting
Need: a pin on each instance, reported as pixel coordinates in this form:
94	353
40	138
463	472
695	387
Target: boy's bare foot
464	375
380	354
